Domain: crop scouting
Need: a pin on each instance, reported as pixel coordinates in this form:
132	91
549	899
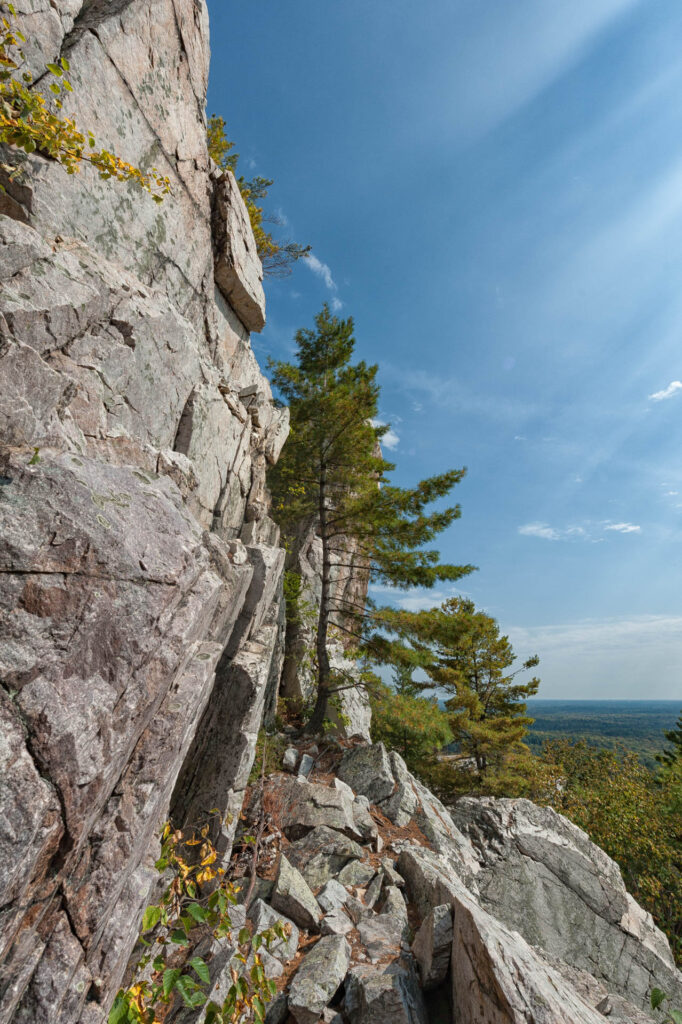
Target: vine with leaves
27	121
198	898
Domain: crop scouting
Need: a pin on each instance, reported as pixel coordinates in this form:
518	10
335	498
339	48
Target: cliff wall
140	594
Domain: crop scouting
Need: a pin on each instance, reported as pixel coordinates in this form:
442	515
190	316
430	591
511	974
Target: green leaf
170	978
212	1013
676	1016
55	69
65	64
258	1009
151	918
119	1011
657	997
159	962
244	936
201	968
179	938
198	912
185	985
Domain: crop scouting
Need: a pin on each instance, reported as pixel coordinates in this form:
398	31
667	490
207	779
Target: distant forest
638	725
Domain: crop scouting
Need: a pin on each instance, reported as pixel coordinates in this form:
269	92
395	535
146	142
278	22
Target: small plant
28	123
196	899
672	1016
277	257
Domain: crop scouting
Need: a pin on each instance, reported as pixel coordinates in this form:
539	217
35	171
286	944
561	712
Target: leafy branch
28	123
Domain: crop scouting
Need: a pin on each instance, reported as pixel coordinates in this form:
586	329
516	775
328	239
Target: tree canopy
332	471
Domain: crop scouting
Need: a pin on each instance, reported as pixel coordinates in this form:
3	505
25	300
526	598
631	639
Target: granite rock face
140	574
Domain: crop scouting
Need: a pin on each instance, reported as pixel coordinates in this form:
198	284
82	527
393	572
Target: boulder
356	873
432	946
381	935
367	770
386	995
318	978
263	917
292	897
336	922
332	896
238	270
298	807
290	759
321	854
543	877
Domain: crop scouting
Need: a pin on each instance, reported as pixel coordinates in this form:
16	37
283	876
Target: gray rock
343	788
356	873
292	897
542	876
432	946
321	854
385	995
318	978
336	922
381	934
290	759
394	904
297	808
278	1009
388	867
332	896
367	770
306	766
374	890
349	713
264	917
238	271
361	801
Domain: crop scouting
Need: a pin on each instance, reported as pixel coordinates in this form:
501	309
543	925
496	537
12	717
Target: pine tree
332	471
464	654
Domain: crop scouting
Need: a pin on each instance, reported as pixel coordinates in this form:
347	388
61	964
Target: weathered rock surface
542	876
140	593
292	896
390	995
300	806
317	980
322	853
432	946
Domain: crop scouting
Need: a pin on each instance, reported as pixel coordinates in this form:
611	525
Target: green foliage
414	726
196	900
28	123
277	257
332	471
463	653
657	999
633	816
672	755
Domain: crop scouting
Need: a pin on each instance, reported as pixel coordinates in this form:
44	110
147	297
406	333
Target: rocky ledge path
401	912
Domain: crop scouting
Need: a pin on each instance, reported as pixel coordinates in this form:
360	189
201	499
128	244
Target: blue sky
493	190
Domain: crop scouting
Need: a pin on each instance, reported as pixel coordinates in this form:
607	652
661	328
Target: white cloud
390	439
630	658
547	532
415	600
321	270
624	527
672	388
337	304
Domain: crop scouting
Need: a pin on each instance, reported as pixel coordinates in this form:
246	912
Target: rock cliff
143	627
140	604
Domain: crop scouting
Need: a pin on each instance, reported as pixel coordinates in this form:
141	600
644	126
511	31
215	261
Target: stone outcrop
501	912
141	577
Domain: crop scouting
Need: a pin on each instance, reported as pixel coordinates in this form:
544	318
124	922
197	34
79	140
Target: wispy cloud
673	387
390	440
547	532
415	600
323	271
635	657
458	397
589	531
